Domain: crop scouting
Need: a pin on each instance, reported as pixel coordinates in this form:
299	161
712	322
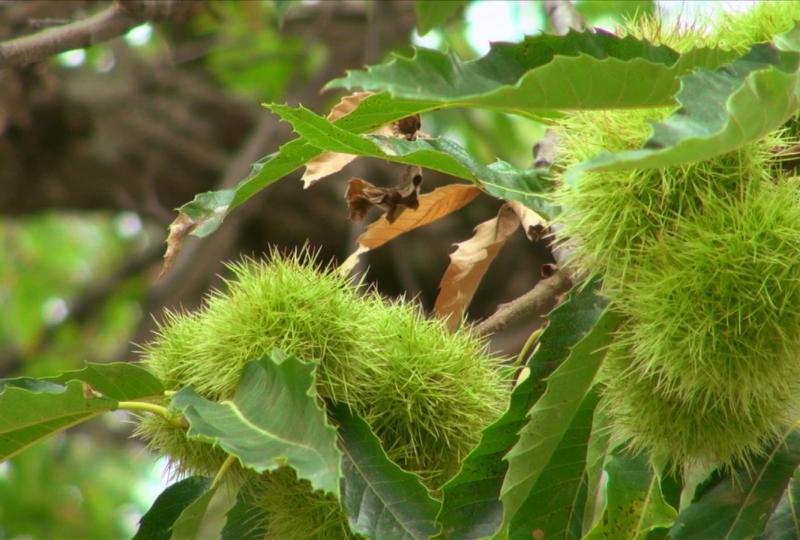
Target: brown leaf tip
362	195
409	126
178	230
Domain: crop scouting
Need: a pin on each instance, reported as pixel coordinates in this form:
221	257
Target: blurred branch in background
109	23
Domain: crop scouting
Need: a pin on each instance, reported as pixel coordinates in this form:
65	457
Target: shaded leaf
471	507
246	520
500	179
208	210
329	163
281	7
432	206
554	507
596	454
468	264
434	13
122	381
580	70
157	523
32	409
273	420
784	523
720	110
362	195
553	413
190	521
739	507
383	502
635	505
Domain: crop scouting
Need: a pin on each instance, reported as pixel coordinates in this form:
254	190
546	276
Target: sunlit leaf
32	409
720	110
581	70
122	381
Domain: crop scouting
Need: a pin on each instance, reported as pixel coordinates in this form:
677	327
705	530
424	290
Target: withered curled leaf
534	225
469	263
178	230
431	207
361	195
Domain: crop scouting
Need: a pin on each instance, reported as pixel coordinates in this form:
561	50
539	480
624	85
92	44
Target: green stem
151	408
523	354
230	460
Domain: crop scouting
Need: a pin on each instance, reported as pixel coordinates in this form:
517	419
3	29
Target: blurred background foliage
98	145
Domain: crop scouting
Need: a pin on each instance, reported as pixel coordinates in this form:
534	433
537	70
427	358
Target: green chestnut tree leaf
33	409
157	523
596	454
739	507
471	507
207	210
434	13
273	420
720	111
555	505
784	523
122	381
501	179
553	413
598	68
383	502
580	70
190	521
635	505
245	521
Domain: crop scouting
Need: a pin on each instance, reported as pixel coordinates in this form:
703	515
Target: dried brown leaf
469	262
433	206
534	225
178	230
362	195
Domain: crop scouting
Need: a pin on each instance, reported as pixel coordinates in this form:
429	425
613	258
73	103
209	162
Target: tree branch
109	23
538	301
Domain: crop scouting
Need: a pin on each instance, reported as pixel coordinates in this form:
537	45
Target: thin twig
537	302
109	23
